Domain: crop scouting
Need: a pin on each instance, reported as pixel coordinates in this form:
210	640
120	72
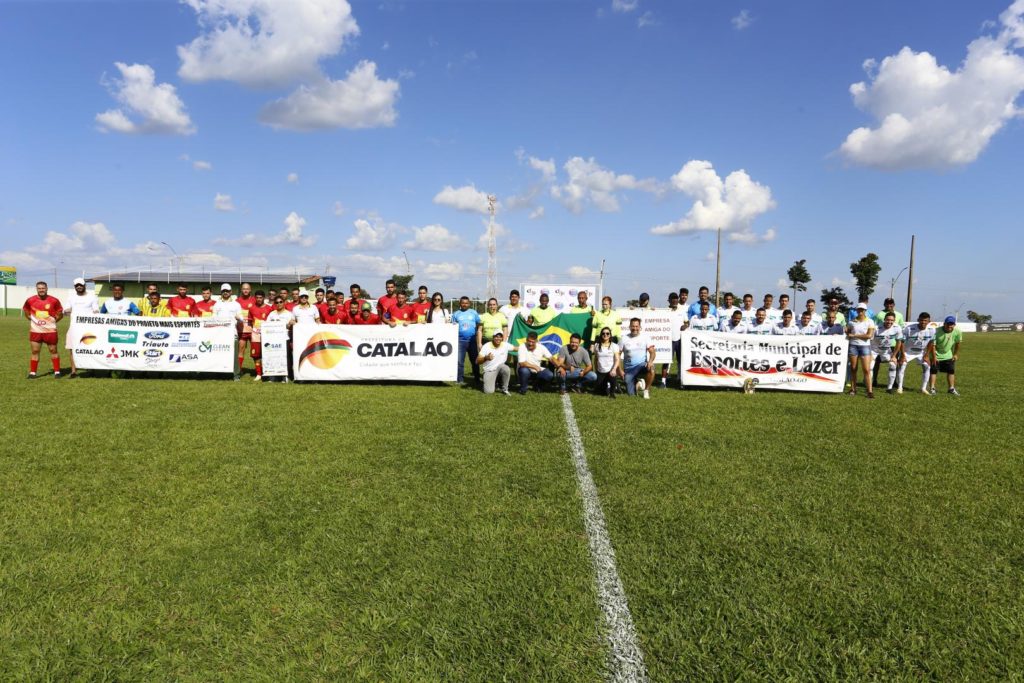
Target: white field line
626	660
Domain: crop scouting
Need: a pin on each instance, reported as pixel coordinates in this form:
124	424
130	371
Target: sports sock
33	365
259	368
924	377
55	361
892	374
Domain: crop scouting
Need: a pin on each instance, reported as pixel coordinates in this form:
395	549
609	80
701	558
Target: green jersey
880	318
945	341
542	316
491	323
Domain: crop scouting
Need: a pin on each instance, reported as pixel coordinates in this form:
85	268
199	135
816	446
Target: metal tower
492	250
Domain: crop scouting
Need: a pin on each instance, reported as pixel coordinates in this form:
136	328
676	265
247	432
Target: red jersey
322	307
402	314
339	317
374	319
421	308
204	309
183	307
42	313
245	302
289	305
257	314
385	303
349	300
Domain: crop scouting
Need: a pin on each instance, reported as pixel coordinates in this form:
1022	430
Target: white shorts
914	358
884	356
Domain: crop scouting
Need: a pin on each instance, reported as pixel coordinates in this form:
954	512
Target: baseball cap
79	281
645	297
225	287
950	320
367	306
862	306
303	293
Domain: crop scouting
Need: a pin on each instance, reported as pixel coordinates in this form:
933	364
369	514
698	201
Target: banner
561	297
273	336
657	324
999	327
8	275
419	353
108	342
555	334
724	359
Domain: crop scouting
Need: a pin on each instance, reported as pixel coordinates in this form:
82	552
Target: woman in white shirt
607	362
438	314
859	331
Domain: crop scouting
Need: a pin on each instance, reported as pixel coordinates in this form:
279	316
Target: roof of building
210	277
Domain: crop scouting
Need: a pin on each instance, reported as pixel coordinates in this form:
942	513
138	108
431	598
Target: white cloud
222	202
503	238
751	237
146	106
732	204
434	238
80	237
782	283
710	257
200	165
338	208
465	198
361	100
293	234
373	265
264	43
374	235
581	272
742	20
537	213
625	5
646	19
441	271
931	117
591	184
545	166
293	178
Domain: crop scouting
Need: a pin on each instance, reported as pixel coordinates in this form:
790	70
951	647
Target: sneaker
31	375
954	392
890	390
664	383
647	393
73	375
899	390
641	385
257	378
932	391
506	392
925	392
56	375
871	394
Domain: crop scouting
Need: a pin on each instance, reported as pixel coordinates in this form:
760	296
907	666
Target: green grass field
206	529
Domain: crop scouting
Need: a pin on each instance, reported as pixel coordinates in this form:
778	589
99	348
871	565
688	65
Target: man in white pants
491	358
918	347
886	346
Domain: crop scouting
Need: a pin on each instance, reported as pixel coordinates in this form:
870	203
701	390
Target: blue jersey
694	310
467	321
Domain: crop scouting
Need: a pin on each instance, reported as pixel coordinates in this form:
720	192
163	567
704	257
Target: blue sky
124	125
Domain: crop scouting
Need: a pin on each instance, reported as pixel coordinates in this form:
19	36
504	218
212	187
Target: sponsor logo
153	353
122	336
113	353
89	352
130	353
157	334
155	345
324	350
182	357
209	347
87	338
183	336
393	349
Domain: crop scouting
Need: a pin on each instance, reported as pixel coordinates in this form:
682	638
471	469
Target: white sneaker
257	378
899	390
505	391
647	393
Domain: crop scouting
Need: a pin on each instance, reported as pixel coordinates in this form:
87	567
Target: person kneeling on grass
491	359
637	360
573	363
531	355
607	362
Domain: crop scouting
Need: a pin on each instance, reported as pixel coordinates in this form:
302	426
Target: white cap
225	287
79	281
862	306
304	292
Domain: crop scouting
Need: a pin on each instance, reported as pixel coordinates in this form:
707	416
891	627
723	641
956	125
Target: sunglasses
606	334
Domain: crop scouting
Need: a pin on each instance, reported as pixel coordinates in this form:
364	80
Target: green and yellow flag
555	334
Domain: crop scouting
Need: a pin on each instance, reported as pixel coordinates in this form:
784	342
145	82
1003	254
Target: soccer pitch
199	529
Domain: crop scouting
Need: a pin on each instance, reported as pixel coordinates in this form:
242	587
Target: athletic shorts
947	366
246	336
256	350
860	351
884	356
43	337
914	358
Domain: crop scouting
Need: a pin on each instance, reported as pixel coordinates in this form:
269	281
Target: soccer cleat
31	375
257	378
954	392
56	375
932	392
925	392
899	390
647	393
664	383
506	392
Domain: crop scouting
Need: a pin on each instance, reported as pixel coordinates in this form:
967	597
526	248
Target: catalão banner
723	359
109	342
419	353
561	297
657	325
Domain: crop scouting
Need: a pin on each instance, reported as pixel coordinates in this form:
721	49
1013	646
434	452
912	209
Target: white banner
797	363
420	353
657	324
273	337
560	297
108	342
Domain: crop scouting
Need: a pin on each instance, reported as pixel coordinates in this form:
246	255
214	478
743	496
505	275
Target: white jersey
500	353
227	310
120	307
749	315
727	326
708	324
790	331
885	340
677	316
81	305
634	349
812	328
308	314
726	313
816	318
511	312
916	340
773	315
763	328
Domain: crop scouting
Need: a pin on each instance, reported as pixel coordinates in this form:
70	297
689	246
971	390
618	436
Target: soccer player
513	307
155	306
492	358
150	288
43	312
725	312
771	314
245	301
748	311
947	351
760	324
333	315
366	315
286	295
321	301
783	302
918	347
388	300
678	319
860	332
833	306
117	304
812	306
808	326
355	294
304	311
531	355
572	362
607	317
684	295
787	327
204	306
702	297
469	322
80	303
491	321
889	307
257	314
830	325
886	346
352	312
401	312
581	305
422	304
295	296
182	305
637	360
703	321
542	313
734	323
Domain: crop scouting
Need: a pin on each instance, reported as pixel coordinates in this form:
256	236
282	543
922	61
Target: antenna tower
492	250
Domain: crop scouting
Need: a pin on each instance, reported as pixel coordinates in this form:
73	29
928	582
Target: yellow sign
8	275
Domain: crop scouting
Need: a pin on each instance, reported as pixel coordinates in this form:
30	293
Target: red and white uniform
339	317
42	318
204	309
322	307
421	308
374	319
245	303
402	314
183	307
257	314
385	303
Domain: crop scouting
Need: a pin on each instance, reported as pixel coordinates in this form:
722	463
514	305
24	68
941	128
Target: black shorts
947	366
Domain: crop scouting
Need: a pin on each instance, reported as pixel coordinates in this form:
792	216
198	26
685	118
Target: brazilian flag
555	334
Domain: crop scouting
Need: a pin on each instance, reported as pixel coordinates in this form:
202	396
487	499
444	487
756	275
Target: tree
865	274
798	277
835	293
633	303
402	284
979	318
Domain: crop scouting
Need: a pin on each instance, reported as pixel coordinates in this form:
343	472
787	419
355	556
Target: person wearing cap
702	297
833	306
79	303
644	302
228	309
889	306
542	313
859	332
947	351
491	359
304	311
366	315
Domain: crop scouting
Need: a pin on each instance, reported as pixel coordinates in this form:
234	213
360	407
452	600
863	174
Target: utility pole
600	287
492	249
718	268
910	281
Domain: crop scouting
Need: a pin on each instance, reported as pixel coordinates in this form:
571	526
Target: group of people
597	363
